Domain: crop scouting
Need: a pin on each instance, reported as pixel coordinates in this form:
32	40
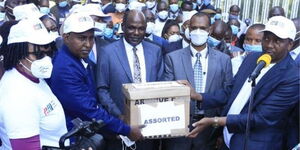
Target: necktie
198	78
137	67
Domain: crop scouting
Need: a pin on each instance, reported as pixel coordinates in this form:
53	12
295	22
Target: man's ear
66	37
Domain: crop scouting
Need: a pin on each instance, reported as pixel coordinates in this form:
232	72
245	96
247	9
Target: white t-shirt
28	109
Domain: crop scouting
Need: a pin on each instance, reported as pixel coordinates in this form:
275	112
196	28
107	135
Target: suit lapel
148	58
120	51
187	65
211	68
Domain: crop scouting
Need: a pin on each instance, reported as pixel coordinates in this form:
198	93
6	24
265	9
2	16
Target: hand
194	94
135	133
200	126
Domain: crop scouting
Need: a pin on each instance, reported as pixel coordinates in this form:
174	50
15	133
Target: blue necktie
198	77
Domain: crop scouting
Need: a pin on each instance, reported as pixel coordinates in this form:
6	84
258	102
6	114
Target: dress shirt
130	57
294	53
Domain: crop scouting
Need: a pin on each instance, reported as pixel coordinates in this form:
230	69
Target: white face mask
2	16
187	33
150	27
120	7
41	68
199	37
174	38
150	5
163	15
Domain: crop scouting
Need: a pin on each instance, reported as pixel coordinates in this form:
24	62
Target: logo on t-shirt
49	108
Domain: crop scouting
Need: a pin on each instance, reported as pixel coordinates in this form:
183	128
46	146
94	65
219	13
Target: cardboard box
164	108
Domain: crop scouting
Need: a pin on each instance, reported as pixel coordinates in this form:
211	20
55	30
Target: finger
196	123
182	82
193	133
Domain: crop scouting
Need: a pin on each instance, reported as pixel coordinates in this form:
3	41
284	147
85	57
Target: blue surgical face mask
235	29
233	17
218	16
174	7
108	32
212	20
45	10
63	4
212	42
252	48
101	27
2	16
206	2
194	6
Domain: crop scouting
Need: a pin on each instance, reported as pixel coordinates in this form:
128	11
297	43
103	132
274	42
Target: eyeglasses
39	53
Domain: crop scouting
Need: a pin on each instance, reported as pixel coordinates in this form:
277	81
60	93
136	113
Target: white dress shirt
241	100
130	57
294	53
204	63
185	44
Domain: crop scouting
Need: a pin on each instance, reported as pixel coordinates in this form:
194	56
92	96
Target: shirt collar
194	51
296	51
127	45
84	63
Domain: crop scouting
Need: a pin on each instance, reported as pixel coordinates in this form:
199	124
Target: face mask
228	44
199	37
206	2
63	4
194	6
45	10
41	68
218	16
212	42
120	7
108	32
150	27
252	48
150	5
212	20
54	34
2	4
174	8
199	2
187	34
174	38
100	26
233	17
2	16
163	15
235	29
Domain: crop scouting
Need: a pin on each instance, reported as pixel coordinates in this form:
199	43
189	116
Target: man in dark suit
72	80
108	7
275	95
128	60
215	73
60	11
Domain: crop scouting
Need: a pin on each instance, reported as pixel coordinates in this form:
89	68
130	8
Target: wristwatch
216	122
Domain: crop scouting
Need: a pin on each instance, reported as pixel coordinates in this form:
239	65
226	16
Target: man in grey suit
207	70
128	60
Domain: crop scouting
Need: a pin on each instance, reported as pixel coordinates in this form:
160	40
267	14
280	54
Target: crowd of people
70	61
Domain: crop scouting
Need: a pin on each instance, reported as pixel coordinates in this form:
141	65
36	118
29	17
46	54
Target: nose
89	43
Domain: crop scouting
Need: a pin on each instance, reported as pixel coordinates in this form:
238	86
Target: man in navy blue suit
275	95
72	79
128	60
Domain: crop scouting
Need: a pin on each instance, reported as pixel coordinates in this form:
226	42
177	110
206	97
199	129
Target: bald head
276	11
134	27
218	29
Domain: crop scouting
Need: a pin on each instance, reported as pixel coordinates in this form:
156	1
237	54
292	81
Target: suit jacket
178	66
73	85
109	9
113	70
274	98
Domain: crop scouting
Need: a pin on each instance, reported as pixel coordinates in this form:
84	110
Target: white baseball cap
30	30
78	22
136	5
94	9
26	11
282	27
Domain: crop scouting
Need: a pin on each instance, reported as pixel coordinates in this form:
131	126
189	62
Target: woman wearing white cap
30	114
